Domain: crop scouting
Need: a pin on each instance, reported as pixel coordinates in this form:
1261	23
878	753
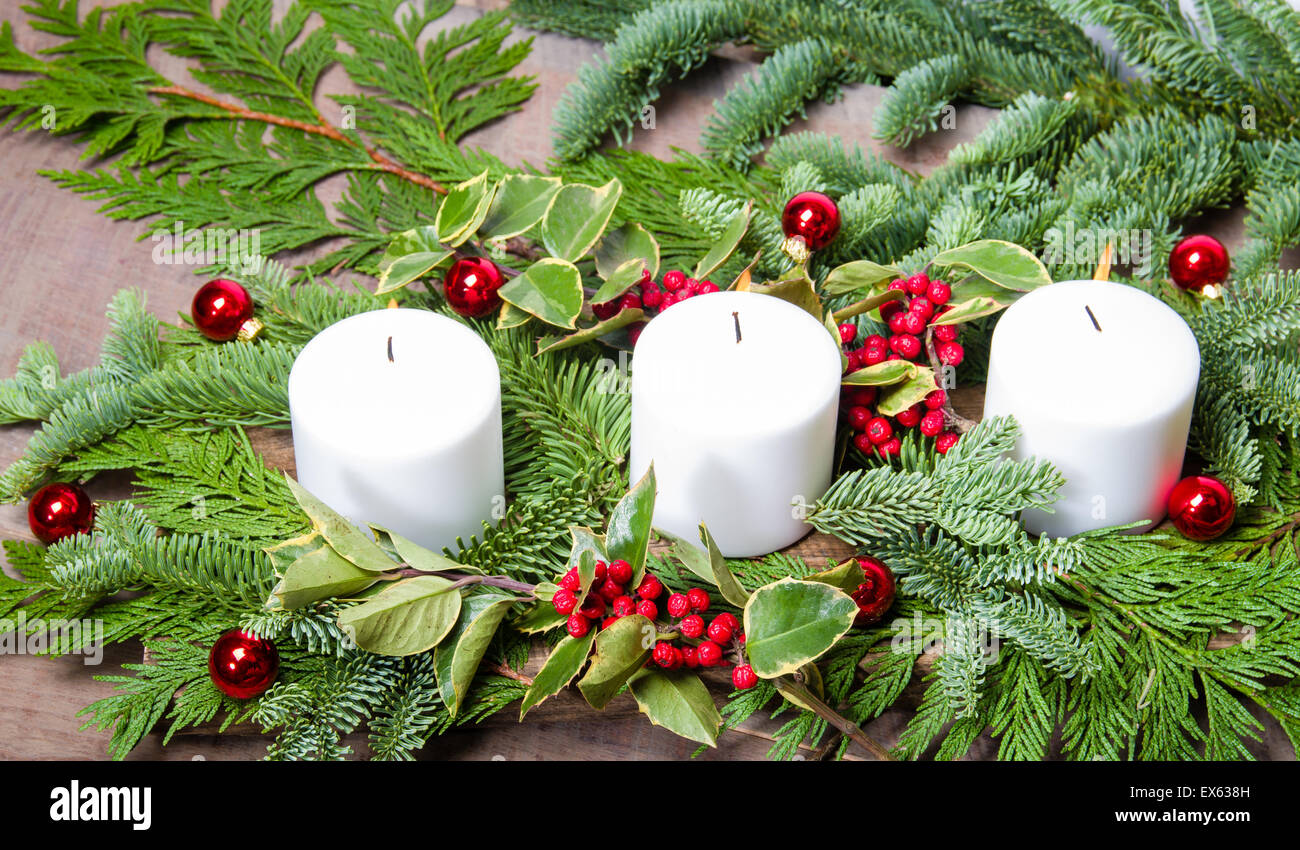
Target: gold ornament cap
796	249
250	330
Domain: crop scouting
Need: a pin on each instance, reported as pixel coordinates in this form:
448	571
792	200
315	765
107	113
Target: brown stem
320	129
503	670
835	719
961	423
468	579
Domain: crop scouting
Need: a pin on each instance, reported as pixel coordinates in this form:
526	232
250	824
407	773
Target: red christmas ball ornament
876	593
243	665
813	216
471	286
1198	262
58	511
222	310
1202	507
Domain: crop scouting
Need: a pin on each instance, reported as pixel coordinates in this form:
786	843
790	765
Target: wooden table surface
60	262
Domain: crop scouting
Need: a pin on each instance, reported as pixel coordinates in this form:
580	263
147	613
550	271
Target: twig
961	423
321	129
834	718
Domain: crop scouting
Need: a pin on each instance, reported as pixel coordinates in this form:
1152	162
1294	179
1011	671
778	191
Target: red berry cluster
907	324
651	298
701	644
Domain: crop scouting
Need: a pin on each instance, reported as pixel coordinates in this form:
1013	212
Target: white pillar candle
397	422
1101	378
734	399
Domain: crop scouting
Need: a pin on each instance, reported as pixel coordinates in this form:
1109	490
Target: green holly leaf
342	536
857	276
798	289
512	317
726	244
405	618
846	576
463	209
318	575
577	217
1003	263
620	320
521	200
410	256
456	659
412	554
621	649
284	554
867	305
790	623
538	619
627	533
624	244
722	575
882	374
564	662
900	397
620	280
549	289
679	702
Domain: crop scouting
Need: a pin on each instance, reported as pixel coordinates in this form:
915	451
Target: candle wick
736	317
390	350
1094	318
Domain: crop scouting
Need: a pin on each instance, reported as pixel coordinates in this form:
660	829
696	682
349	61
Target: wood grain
61	261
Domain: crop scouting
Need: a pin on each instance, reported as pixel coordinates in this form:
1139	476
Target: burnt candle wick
736	318
390	350
1094	318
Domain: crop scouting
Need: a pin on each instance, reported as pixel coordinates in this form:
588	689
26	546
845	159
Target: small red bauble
471	286
876	593
744	677
221	309
243	665
1197	262
58	511
1202	507
813	216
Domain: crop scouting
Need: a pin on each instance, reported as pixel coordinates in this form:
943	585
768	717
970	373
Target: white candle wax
740	431
397	422
1101	378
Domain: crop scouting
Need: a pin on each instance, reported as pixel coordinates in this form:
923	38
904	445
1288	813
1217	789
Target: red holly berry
879	430
729	619
863	444
906	346
665	655
874	354
690	657
935	400
678	605
858	417
848	333
647	609
876	593
652	298
909	417
610	590
634	332
932	423
650	588
875	341
938	292
620	571
623	606
862	396
709	653
601	569
605	310
918	283
890	309
922	306
593	607
571	581
853	361
692	626
629	301
673	280
911	323
564	601
707	286
898	322
744	677
889	448
699	599
945	441
813	216
945	333
719	633
951	353
577	625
